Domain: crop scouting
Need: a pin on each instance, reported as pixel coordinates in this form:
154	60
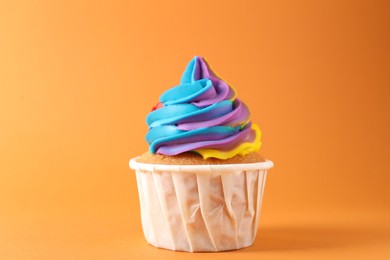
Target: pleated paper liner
200	208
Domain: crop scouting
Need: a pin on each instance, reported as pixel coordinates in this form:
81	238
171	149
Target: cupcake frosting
202	115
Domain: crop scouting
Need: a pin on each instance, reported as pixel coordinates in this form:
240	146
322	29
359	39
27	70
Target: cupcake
201	182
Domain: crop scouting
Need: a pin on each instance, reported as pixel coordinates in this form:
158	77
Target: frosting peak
201	115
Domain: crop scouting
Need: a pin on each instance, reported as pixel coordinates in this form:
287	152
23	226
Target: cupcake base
200	208
190	158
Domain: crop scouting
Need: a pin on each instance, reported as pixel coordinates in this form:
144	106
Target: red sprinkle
157	106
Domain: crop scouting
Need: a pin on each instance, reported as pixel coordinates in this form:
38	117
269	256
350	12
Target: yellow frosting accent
245	124
242	149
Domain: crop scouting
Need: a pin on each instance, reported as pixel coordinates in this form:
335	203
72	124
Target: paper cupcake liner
200	208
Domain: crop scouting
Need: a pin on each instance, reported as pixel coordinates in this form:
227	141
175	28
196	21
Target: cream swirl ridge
202	115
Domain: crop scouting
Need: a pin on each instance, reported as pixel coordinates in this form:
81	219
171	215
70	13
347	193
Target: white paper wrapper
200	208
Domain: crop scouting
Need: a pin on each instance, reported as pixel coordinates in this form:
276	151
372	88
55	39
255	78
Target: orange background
77	79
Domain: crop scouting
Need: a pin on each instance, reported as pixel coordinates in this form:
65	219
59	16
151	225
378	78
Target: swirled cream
202	115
